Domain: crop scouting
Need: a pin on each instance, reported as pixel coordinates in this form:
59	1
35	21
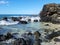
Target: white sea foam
3	22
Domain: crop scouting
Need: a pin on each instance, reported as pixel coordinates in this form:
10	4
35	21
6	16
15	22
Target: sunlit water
21	28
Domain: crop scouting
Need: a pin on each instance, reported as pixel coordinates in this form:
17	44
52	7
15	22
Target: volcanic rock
50	13
52	35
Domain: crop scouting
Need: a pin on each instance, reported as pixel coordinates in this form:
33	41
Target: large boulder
50	13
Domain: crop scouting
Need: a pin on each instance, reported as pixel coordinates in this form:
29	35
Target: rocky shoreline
47	37
50	21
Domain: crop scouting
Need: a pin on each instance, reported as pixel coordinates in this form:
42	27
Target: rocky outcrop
14	18
6	37
5	18
23	22
53	35
19	19
50	13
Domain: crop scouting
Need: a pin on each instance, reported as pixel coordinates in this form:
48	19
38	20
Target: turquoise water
21	28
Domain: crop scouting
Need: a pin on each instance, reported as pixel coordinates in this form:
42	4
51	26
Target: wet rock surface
26	39
23	22
5	37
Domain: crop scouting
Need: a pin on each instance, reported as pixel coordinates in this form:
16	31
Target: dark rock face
23	22
14	18
52	35
57	40
5	18
20	41
19	19
46	24
50	13
6	37
35	20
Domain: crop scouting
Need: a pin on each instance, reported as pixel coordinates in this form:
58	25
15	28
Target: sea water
19	28
22	28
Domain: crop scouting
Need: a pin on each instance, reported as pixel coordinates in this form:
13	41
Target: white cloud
3	2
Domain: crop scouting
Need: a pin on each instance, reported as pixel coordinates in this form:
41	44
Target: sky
23	6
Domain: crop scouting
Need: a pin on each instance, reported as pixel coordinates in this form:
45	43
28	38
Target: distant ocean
16	15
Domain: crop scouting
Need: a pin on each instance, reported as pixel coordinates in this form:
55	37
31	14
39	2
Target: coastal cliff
50	13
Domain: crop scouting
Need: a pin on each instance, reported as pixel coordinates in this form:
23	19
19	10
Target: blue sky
23	6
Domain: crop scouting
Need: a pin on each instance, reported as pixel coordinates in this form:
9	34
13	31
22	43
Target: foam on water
3	22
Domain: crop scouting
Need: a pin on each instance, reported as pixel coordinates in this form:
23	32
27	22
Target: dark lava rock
9	35
46	24
57	40
23	22
52	35
30	33
37	34
50	13
2	37
38	42
14	18
20	41
37	38
35	20
5	37
19	19
5	18
29	20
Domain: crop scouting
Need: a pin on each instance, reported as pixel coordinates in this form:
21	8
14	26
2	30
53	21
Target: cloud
3	2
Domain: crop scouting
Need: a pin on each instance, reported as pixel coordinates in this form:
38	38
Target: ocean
16	15
20	28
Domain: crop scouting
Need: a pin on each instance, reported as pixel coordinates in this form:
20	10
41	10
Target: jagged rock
20	41
37	35
14	18
35	20
57	40
50	13
46	24
2	37
37	38
52	35
19	19
29	20
6	37
5	18
9	35
23	22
